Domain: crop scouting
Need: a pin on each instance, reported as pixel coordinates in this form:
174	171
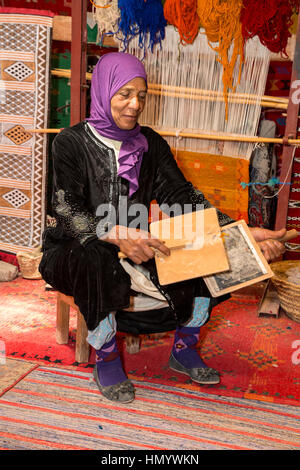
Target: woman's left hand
268	242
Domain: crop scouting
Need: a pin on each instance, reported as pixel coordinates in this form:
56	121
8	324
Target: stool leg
132	343
62	321
82	346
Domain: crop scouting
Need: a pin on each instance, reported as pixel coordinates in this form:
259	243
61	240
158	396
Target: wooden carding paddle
203	254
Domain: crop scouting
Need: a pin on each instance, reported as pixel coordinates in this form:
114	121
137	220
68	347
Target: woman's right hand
138	245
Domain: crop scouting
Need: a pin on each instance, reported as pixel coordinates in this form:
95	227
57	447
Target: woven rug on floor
12	371
56	408
257	357
25	43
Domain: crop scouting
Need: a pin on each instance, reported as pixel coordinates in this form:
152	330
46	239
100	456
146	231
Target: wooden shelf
62	31
62	28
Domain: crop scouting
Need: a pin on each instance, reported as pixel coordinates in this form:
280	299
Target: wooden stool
82	350
64	303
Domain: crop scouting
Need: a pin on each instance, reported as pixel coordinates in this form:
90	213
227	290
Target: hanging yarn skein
221	22
183	15
271	22
106	14
142	18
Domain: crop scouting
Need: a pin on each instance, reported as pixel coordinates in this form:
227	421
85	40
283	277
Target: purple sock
109	366
184	347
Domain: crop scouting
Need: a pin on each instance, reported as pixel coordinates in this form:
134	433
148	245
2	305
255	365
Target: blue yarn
139	17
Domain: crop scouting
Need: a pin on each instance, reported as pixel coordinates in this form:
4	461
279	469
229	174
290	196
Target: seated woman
103	170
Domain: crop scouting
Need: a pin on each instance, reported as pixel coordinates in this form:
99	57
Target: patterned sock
184	347
200	312
109	366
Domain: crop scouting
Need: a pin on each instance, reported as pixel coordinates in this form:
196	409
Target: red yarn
270	20
183	15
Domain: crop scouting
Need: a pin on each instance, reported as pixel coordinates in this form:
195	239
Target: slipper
201	375
122	392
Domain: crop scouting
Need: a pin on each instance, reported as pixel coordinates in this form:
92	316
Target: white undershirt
113	144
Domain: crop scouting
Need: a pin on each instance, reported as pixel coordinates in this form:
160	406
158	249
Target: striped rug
62	409
12	371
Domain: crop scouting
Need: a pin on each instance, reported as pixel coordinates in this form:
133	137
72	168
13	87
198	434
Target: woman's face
128	103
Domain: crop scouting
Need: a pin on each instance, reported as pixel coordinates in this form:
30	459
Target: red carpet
258	357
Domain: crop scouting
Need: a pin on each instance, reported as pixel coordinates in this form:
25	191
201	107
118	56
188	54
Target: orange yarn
183	15
98	6
221	21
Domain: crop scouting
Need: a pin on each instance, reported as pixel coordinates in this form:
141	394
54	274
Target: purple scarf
111	73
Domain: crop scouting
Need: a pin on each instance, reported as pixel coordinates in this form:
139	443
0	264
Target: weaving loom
191	93
25	38
186	93
207	73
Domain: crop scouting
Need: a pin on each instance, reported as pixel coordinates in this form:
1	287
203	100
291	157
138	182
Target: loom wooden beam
78	61
194	135
198	94
291	129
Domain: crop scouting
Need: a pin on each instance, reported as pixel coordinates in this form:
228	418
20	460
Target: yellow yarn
221	21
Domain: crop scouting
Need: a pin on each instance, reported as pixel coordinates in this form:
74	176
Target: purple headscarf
111	73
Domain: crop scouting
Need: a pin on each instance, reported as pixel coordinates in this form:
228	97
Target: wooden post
78	61
62	320
82	346
291	129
